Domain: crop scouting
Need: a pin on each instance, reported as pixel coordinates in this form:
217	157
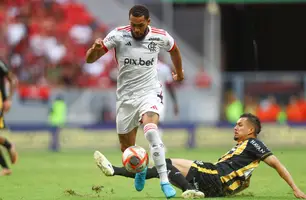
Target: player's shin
157	150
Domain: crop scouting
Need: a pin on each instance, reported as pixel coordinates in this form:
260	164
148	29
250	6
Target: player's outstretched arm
273	162
177	62
95	52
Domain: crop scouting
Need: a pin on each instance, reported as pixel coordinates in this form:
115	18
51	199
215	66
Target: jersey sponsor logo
152	46
257	146
154	39
141	62
127	36
128	44
109	38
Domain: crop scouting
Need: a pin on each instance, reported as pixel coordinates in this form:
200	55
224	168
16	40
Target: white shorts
129	112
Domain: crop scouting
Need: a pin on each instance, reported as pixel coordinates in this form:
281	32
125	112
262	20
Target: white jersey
137	60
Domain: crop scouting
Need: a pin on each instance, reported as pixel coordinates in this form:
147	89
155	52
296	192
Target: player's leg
150	120
126	125
176	178
182	165
10	148
127	139
5	169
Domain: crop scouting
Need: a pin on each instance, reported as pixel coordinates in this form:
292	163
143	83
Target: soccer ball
135	159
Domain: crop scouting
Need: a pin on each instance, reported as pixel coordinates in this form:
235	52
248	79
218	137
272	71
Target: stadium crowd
267	109
45	43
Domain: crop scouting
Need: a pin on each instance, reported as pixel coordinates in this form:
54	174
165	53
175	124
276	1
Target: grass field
72	175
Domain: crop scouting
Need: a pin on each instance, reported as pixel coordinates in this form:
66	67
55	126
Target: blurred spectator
202	79
268	110
234	108
250	104
45	48
294	110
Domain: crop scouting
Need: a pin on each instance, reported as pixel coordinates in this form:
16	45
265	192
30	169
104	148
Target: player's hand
7	105
176	109
178	77
98	44
299	194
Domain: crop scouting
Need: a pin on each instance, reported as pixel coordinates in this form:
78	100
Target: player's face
139	26
243	130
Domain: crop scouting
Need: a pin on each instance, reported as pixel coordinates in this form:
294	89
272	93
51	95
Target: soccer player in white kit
138	90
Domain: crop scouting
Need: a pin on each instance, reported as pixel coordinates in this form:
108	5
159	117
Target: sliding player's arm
101	47
172	48
273	162
4	71
13	81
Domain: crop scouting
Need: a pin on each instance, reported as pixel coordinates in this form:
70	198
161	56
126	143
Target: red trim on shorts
104	47
174	44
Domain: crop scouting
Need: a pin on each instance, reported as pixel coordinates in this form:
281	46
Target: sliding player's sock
2	161
7	144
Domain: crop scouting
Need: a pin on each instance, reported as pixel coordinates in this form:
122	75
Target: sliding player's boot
102	162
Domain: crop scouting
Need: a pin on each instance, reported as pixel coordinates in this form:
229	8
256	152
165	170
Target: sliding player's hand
98	45
299	194
178	77
7	105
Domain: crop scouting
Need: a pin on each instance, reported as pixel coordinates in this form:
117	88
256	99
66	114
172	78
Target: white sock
157	150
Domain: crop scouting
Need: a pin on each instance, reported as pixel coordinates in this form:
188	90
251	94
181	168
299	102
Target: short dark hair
140	10
254	120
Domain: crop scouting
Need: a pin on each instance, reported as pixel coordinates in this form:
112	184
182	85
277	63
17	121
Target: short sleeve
111	40
258	149
169	42
3	68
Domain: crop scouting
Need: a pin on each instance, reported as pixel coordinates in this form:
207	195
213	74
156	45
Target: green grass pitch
72	175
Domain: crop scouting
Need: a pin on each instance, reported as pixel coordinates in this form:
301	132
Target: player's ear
149	21
251	130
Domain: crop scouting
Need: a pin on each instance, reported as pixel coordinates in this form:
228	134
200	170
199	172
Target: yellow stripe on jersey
204	170
252	165
238	151
235	185
239	172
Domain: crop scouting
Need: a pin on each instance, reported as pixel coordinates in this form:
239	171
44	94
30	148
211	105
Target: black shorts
205	178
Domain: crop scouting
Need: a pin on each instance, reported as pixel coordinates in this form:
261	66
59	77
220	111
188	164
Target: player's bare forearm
177	61
273	162
94	54
13	84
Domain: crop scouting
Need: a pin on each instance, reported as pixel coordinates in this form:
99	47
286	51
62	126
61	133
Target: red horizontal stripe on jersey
124	28
158	32
157	29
